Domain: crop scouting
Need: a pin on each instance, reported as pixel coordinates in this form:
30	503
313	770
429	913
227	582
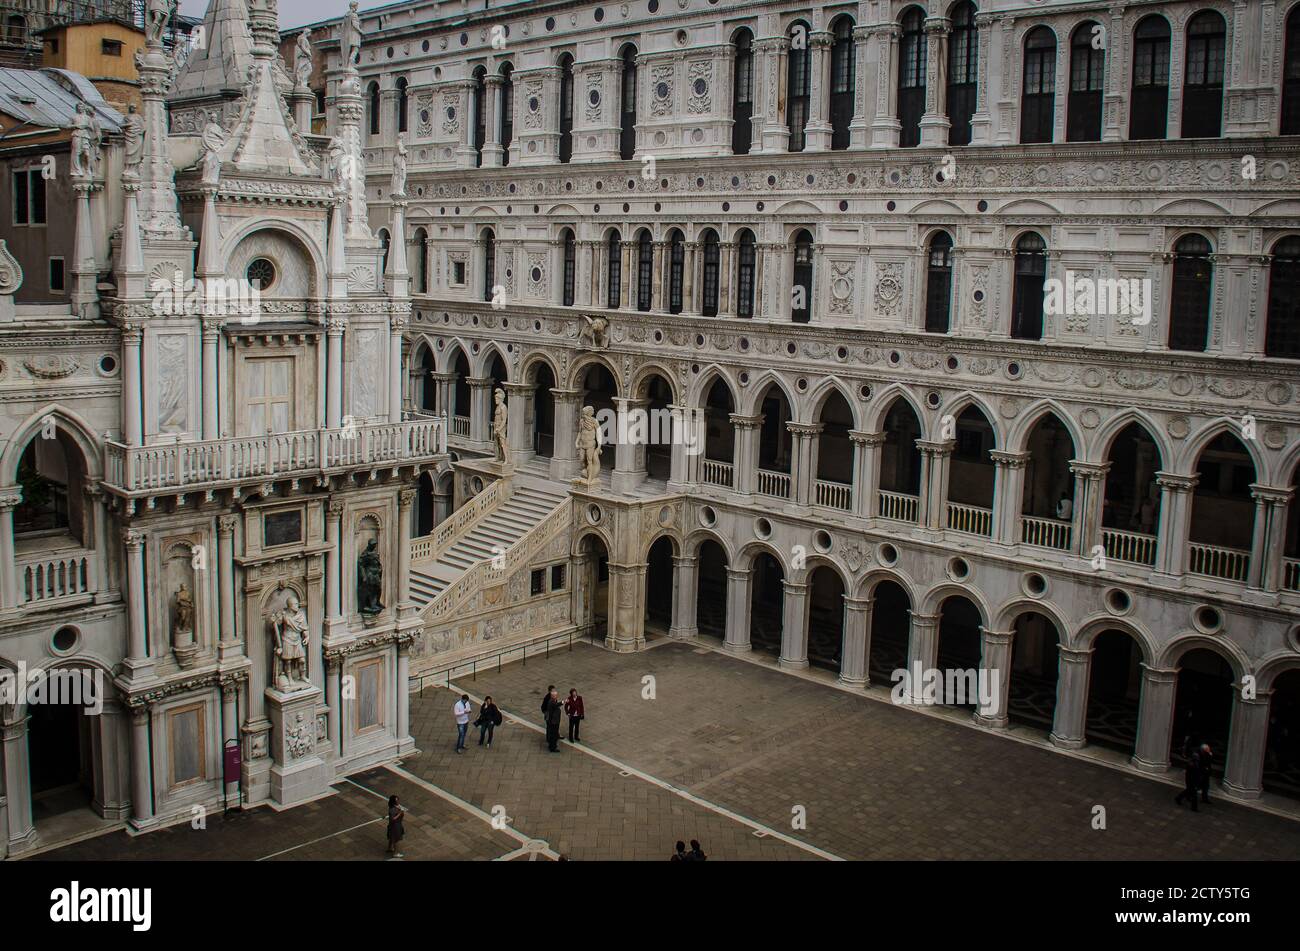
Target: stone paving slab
876	781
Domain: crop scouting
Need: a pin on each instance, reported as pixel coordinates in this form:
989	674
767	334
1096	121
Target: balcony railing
716	473
460	426
49	578
1230	564
1291	575
1133	547
970	519
834	495
775	484
897	506
1045	532
193	465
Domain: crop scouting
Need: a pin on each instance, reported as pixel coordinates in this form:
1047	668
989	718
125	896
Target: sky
293	12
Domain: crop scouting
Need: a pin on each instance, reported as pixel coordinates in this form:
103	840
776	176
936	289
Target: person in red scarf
573	707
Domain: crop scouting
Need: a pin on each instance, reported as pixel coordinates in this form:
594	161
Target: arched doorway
959	651
825	618
543	381
766	603
593	577
711	597
1031	696
1282	749
599	391
891	620
659	586
1114	691
1203	704
425	509
656	397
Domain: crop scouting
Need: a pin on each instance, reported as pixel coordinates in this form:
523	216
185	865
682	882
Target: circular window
65	640
424	47
108	364
550	24
1034	584
599	14
958	569
952	363
1118	601
762	528
536	275
1207	619
983	205
653	6
844	206
865	391
708	517
451	114
887	554
661	91
891	205
933	400
977	296
895	357
260	273
822	540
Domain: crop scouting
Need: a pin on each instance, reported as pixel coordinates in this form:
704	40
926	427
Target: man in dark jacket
552	710
1205	762
1191	778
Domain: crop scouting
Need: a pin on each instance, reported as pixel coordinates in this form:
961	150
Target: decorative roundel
700	87
661	91
534	104
889	289
594	97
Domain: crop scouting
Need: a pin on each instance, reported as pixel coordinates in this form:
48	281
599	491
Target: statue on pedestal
86	140
291	636
302	58
588	445
157	14
500	427
370	576
133	139
183	624
397	188
214	140
350	38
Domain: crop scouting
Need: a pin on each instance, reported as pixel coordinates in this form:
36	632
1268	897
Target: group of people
696	854
552	709
489	718
1199	758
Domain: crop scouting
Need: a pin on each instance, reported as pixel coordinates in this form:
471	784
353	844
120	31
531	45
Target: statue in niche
350	40
594	336
500	427
588	444
133	138
183	620
86	141
302	58
370	576
397	188
214	140
291	636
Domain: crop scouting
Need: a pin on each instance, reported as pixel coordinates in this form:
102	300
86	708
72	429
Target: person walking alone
1191	778
462	709
1206	762
489	718
395	829
551	710
573	707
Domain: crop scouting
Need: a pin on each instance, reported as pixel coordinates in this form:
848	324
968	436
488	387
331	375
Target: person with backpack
489	718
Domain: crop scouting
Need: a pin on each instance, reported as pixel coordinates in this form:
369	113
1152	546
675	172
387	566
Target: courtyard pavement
753	762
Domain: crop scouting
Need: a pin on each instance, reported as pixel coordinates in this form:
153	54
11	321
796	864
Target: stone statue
594	336
588	444
214	140
302	58
397	188
291	636
500	427
184	618
133	135
157	14
86	138
338	166
370	576
350	40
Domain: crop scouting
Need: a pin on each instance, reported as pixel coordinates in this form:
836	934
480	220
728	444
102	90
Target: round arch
535	358
295	234
642	376
1188	641
752	549
932	601
691	544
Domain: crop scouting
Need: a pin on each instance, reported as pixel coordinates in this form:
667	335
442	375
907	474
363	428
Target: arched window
507	111
963	72
613	270
1087	84
627	135
842	81
1189	304
938	284
570	266
1038	96
383	248
1149	101
801	284
798	84
566	107
1283	336
912	55
489	263
1203	78
480	114
645	261
374	108
1291	76
676	270
742	93
745	274
709	303
401	105
422	265
1027	289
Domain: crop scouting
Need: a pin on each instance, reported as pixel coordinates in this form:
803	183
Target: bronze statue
370	575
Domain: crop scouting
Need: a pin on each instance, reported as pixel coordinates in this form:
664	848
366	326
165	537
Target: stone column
922	652
141	768
480	401
685	589
132	423
1008	494
403	687
857	641
334	372
405	606
85	270
229	630
492	102
935	458
1175	522
10	597
658	282
631	275
726	297
866	471
995	671
137	650
817	130
1069	725
211	382
1155	719
1268	544
1117	77
396	325
519	410
688	279
1243	770
17	774
935	123
794	625
1089	493
746	455
803	474
885	127
737	639
626	608
858	125
229	729
333	565
564	459
687	424
629	470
